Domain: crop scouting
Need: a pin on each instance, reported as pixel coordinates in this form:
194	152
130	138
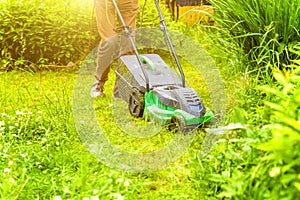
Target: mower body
167	101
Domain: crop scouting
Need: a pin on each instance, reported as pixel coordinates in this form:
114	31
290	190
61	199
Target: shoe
96	92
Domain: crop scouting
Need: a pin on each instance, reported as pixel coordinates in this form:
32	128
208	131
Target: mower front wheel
136	104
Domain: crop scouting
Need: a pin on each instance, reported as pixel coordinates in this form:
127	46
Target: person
109	48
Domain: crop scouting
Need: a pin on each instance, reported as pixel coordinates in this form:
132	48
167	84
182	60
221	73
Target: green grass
43	157
263	30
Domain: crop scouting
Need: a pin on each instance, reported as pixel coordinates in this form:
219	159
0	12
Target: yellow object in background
191	12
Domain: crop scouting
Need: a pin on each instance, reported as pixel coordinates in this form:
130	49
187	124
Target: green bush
38	32
264	162
264	30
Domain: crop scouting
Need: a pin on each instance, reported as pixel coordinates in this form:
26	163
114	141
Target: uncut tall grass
265	30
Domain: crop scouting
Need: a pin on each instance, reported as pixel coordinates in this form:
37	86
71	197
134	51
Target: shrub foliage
38	32
265	30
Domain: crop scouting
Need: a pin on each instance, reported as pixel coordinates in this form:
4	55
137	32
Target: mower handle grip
149	62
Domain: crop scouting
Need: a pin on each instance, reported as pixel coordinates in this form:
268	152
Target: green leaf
297	185
287	178
275	106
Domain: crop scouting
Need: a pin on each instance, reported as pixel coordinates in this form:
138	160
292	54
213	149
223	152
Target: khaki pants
109	48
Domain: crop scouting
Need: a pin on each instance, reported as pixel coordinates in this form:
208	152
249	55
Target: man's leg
128	9
105	15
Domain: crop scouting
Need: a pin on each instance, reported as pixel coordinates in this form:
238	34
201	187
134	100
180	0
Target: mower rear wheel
136	104
177	124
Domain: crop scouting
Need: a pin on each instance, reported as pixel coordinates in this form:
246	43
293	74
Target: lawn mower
154	91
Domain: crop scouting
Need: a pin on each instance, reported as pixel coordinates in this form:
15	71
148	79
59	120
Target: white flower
44	139
10	163
275	171
39	112
95	191
94	198
6	170
57	198
2	123
118	196
120	180
3	114
24	155
57	143
19	113
11	179
85	198
55	99
126	183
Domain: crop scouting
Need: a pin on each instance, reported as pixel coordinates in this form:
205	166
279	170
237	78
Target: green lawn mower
153	91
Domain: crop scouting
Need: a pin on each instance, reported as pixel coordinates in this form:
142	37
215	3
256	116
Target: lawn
42	156
58	143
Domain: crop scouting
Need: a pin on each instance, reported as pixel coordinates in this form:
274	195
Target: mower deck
167	102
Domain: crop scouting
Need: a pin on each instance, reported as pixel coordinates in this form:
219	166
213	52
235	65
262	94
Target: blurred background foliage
45	32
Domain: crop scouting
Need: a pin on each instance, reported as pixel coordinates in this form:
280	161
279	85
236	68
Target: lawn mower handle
163	27
128	33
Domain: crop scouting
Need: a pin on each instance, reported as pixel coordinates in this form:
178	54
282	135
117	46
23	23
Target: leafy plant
284	147
264	30
35	31
264	162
